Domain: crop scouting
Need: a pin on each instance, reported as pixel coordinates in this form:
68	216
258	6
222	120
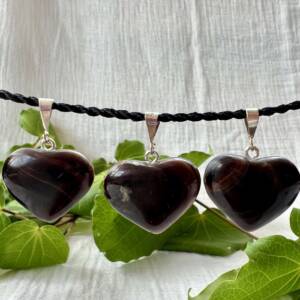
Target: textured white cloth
165	56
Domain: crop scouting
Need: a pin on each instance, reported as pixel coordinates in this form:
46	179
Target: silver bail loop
46	142
251	122
45	105
152	126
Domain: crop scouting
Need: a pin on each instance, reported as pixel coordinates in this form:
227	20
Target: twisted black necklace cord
138	116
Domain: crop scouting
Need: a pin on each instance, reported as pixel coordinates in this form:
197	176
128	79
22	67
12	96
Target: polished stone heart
47	183
252	192
152	195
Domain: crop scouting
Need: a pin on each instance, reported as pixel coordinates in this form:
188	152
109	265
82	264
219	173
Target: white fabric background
166	56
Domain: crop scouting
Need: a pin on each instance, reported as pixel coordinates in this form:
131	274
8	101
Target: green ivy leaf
121	240
25	245
15	206
4	221
85	205
101	165
196	157
291	296
231	275
5	196
31	122
295	221
272	272
207	293
67	147
82	227
208	234
2	194
17	147
129	150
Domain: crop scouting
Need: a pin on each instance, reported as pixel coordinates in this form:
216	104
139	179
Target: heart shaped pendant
47	183
252	192
152	195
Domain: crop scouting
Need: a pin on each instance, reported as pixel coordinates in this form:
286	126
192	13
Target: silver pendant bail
251	122
45	105
46	142
152	126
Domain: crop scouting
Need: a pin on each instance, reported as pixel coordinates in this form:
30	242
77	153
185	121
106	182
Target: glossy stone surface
47	183
152	195
252	192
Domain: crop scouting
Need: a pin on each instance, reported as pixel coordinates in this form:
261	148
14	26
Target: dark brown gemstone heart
152	195
47	183
252	192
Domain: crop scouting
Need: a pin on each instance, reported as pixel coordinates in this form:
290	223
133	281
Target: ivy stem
226	220
66	221
16	215
70	223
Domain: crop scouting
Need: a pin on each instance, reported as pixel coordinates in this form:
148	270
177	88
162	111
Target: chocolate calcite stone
252	192
152	195
47	183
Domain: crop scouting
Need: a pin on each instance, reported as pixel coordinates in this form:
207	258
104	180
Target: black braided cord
138	116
